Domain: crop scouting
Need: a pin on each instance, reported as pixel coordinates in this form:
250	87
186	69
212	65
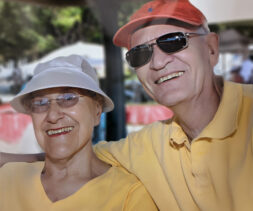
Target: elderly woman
65	103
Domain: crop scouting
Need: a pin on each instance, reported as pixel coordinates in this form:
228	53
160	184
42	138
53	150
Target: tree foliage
126	9
29	31
13	36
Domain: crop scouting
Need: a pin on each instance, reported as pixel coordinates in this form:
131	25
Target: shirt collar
225	120
224	123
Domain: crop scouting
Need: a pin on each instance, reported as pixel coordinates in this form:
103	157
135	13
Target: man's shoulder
146	135
245	89
153	127
248	90
137	140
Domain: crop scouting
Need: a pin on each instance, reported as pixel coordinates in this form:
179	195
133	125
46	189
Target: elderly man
202	158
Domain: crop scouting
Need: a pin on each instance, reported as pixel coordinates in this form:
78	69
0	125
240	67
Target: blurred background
34	31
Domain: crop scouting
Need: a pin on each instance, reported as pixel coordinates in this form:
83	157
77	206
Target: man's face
191	69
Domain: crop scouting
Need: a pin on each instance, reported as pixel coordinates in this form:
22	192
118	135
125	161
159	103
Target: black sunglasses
168	43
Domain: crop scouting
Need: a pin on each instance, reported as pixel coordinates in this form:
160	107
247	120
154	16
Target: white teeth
168	77
65	129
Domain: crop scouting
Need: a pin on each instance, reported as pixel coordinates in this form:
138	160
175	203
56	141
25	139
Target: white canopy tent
222	11
93	53
227	11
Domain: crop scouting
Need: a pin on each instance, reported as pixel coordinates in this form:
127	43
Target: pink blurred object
12	124
145	114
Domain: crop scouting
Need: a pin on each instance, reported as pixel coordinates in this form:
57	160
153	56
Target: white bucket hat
70	71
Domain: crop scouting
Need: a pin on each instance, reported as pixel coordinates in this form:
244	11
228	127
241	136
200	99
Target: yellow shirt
21	190
213	173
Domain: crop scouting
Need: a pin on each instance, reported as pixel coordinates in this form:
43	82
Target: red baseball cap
181	10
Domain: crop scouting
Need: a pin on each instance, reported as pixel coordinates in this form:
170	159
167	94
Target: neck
194	115
83	164
62	178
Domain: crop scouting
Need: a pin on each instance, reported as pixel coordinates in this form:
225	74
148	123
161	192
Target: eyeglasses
168	43
42	104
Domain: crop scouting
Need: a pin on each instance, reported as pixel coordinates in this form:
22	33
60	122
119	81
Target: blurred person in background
65	103
246	71
17	79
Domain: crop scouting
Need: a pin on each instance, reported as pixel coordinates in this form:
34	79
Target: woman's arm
10	157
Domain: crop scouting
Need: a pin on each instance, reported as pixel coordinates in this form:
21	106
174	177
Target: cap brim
122	36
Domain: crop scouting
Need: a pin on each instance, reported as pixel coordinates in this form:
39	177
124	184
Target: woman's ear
98	112
213	46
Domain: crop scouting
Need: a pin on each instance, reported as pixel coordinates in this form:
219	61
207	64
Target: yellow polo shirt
213	173
117	189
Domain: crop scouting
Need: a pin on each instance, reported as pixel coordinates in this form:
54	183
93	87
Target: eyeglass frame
27	101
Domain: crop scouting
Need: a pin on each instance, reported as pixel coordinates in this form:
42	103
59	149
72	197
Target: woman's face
64	131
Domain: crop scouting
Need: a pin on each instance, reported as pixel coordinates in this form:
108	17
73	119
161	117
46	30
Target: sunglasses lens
139	55
172	42
169	43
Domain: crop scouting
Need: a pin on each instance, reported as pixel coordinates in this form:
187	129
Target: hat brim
60	78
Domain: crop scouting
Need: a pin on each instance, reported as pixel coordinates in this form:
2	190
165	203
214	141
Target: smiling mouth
169	77
59	131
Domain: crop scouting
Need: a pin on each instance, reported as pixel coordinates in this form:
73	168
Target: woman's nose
54	112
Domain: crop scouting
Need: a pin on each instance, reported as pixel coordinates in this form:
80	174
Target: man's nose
54	112
160	59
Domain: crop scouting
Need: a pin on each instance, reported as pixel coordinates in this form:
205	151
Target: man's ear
213	47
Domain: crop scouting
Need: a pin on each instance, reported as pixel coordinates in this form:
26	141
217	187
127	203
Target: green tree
13	40
29	31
